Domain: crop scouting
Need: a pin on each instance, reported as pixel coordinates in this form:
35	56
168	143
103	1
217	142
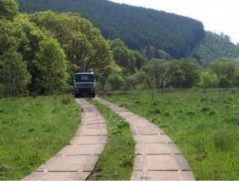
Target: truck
84	84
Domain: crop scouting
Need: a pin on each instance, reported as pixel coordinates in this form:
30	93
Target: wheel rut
156	155
78	159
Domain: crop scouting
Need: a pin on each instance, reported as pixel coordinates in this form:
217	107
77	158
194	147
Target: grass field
203	123
32	130
116	162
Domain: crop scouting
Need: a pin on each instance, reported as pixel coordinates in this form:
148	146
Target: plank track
156	156
77	160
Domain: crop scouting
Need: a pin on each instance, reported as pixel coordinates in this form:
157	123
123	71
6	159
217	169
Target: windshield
84	78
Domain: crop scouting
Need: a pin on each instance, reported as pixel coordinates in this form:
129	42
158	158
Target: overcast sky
216	15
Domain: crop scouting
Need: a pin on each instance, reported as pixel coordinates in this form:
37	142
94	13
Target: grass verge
203	123
116	162
32	130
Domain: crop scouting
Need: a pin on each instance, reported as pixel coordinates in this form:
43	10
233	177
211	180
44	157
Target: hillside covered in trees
156	34
40	52
215	46
38	55
138	28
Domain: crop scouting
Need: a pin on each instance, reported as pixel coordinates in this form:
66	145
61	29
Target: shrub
225	71
66	99
116	81
205	109
208	79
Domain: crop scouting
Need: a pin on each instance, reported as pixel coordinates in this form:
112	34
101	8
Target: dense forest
40	52
138	28
215	46
156	34
38	55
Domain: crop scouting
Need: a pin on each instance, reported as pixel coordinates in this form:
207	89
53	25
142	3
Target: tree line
184	73
138	72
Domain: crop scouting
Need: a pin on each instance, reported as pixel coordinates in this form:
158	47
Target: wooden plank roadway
77	160
156	156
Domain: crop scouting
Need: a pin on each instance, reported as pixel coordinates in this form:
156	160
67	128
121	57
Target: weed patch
66	99
205	109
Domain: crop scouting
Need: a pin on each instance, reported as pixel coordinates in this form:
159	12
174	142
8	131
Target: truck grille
85	86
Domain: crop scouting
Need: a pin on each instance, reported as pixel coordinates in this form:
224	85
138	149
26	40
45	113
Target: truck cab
84	83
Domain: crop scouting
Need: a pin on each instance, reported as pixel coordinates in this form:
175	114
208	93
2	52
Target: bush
176	74
190	71
66	99
137	81
208	79
225	71
116	81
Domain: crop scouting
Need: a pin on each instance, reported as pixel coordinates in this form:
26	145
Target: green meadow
203	123
32	130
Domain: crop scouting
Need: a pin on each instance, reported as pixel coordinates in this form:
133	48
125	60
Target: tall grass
32	130
203	123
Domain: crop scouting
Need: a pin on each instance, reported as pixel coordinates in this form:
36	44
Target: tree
124	57
137	80
175	75
152	52
8	9
156	70
190	71
51	67
208	79
225	72
140	60
116	81
28	36
14	76
7	37
83	44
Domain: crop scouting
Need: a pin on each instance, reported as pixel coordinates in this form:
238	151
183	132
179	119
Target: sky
218	16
